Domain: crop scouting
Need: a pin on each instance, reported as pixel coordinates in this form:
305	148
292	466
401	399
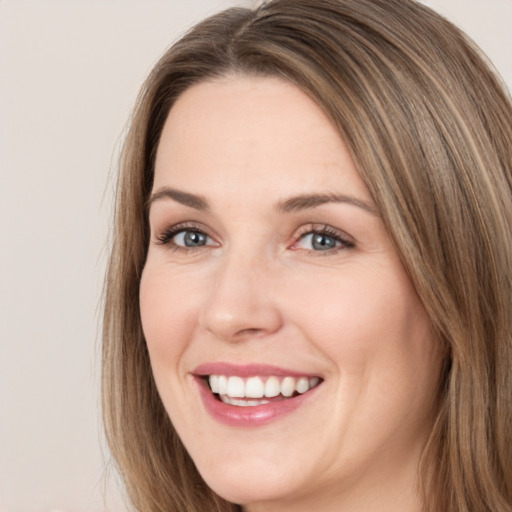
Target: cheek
168	318
377	335
354	310
369	323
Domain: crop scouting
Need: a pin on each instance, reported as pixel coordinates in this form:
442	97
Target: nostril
249	332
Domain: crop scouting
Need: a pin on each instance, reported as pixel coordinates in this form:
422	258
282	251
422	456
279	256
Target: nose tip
241	304
241	324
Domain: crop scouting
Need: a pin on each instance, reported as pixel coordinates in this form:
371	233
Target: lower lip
250	416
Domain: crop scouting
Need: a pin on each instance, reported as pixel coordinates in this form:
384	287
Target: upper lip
247	370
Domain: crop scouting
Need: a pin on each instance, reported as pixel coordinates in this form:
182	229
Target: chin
247	482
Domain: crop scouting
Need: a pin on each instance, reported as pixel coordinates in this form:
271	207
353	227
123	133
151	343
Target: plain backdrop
70	71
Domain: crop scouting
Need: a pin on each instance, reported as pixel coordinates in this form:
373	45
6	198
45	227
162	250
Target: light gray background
69	74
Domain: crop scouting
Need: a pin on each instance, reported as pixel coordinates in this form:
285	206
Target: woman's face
270	278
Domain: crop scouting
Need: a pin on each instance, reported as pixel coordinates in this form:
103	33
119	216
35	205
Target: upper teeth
258	387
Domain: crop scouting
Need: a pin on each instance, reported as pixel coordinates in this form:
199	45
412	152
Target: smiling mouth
254	391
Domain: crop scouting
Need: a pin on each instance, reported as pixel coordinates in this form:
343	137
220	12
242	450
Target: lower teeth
242	403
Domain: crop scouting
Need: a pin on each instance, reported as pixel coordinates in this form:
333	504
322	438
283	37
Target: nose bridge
241	299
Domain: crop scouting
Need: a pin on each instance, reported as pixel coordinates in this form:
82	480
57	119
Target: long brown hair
429	126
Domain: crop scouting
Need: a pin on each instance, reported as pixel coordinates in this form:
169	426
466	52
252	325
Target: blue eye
319	242
323	240
189	238
184	237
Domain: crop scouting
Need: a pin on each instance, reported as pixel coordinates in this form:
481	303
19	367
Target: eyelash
338	236
166	237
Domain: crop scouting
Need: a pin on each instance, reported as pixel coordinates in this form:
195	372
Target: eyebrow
293	204
304	202
184	198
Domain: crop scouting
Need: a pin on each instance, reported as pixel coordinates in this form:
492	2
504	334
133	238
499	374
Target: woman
308	303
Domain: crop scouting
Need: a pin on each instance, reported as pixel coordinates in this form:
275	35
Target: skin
258	291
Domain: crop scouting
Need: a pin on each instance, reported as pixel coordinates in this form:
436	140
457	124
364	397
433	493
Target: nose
242	302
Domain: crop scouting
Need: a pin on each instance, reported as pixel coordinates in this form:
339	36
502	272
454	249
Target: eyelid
165	236
344	238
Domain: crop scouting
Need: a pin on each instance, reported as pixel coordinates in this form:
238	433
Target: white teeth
313	381
214	383
258	387
254	388
272	387
236	387
222	385
288	386
242	403
302	385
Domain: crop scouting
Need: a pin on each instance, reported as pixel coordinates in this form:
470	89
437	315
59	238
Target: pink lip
246	370
252	416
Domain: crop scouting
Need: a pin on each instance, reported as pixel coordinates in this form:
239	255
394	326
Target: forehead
254	132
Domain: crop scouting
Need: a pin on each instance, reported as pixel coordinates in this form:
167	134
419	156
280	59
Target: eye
319	241
323	239
185	237
189	238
